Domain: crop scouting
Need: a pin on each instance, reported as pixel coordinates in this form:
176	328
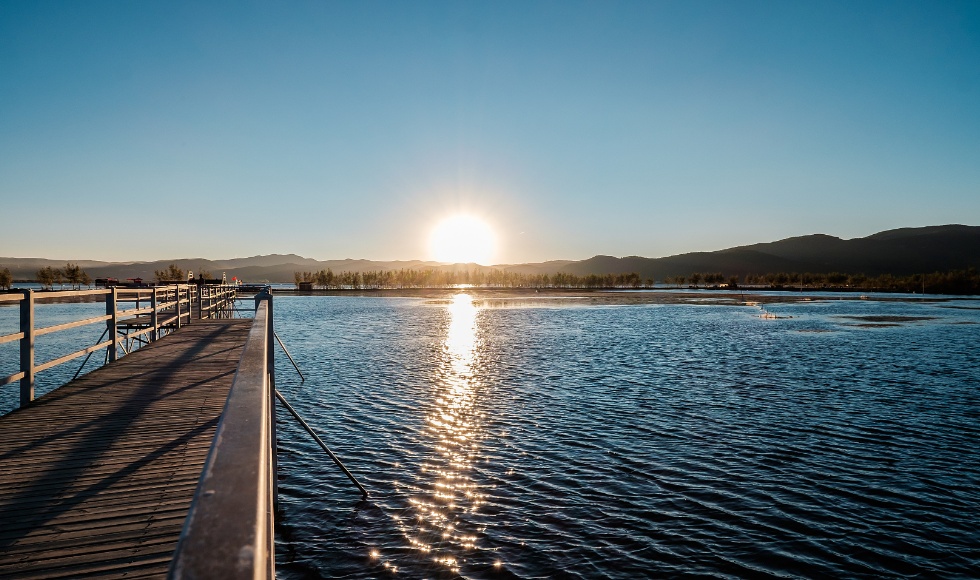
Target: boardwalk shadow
84	447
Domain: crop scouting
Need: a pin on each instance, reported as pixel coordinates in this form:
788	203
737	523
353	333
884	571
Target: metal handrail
228	532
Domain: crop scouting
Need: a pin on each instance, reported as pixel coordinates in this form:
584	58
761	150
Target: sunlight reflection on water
439	528
461	337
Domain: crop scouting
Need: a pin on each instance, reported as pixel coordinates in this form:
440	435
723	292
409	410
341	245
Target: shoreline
623	296
585	296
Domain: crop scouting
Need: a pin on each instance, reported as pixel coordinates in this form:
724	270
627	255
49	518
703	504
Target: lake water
546	438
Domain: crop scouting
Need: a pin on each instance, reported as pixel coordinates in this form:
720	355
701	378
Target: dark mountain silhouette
902	252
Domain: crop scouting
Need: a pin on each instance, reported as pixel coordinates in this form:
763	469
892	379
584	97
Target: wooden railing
154	311
216	301
229	532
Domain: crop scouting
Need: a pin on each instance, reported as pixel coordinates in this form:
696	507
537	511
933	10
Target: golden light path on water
442	505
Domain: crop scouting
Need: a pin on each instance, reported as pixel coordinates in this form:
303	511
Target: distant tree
85	279
386	280
714	278
204	274
325	278
44	277
171	274
47	277
6	280
297	278
73	275
695	279
351	280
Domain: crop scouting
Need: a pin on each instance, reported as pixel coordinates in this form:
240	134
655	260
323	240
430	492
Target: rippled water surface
555	438
548	440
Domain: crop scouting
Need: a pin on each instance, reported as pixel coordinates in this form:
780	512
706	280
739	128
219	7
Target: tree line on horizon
952	282
174	273
71	274
76	277
47	277
494	278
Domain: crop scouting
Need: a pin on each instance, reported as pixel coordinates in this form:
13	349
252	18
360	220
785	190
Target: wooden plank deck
96	477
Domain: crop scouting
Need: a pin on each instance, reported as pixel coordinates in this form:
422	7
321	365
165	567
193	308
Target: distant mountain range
901	252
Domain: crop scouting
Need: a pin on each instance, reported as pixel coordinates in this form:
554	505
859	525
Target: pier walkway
97	477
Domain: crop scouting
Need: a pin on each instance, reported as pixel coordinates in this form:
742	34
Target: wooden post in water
27	347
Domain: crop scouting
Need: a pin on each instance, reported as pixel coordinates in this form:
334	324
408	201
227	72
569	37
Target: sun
462	239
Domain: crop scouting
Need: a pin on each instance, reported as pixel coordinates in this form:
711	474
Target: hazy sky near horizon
156	130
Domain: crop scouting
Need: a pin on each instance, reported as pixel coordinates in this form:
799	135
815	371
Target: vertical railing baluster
154	316
27	347
177	302
113	322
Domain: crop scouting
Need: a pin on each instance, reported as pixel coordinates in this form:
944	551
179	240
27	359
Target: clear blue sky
155	130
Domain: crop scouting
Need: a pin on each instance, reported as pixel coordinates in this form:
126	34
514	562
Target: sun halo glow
462	239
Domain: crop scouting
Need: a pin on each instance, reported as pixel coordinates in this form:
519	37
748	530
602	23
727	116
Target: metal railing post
177	302
113	322
154	317
27	347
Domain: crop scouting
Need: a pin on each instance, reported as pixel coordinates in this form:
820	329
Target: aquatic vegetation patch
892	320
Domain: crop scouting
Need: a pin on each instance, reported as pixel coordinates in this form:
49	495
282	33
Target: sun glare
462	239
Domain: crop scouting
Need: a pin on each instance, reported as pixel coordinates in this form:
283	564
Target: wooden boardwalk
96	477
